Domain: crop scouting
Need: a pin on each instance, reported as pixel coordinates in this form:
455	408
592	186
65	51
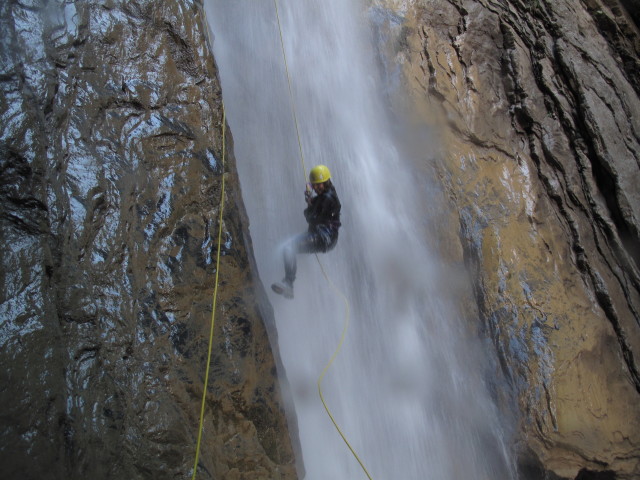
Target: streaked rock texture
538	105
111	167
110	162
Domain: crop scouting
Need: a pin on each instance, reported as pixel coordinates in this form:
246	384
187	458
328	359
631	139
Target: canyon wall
537	107
111	170
111	166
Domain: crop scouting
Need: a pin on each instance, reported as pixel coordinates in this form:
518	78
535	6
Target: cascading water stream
407	388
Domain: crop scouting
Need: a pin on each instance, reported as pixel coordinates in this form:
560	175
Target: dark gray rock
110	187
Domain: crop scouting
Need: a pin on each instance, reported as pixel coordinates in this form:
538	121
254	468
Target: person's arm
309	212
322	209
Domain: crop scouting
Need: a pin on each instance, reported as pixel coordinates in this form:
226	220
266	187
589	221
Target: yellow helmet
319	174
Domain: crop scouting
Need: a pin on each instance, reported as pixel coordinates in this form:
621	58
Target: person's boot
284	288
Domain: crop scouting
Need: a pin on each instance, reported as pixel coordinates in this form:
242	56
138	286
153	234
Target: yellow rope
293	106
215	297
335	353
336	289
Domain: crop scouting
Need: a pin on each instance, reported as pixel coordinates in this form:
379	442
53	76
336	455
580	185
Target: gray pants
320	240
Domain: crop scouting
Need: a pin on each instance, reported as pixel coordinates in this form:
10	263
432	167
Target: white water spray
406	388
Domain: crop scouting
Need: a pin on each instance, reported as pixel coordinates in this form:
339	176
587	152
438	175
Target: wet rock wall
537	105
110	184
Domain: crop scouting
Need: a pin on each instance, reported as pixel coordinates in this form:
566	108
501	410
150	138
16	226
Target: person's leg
303	243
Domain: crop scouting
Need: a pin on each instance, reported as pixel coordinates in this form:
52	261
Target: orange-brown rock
538	103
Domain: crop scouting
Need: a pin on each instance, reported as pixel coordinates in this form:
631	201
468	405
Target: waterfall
408	387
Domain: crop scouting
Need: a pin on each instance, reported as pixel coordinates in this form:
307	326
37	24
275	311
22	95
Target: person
323	216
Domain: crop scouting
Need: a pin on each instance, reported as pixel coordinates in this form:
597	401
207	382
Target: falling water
407	387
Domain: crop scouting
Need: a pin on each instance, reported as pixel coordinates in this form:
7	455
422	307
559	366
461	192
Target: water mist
407	388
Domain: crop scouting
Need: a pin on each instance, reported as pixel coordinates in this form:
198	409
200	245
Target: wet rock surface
538	105
111	167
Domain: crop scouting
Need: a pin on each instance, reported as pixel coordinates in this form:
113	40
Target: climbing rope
293	107
326	276
214	302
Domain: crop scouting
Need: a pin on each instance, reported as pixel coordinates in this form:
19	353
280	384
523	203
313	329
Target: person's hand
307	196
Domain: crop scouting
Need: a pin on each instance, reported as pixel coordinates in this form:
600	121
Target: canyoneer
323	216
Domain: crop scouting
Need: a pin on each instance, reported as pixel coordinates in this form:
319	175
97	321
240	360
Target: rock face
539	104
111	166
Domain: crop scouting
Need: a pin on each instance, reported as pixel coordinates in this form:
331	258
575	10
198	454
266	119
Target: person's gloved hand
307	196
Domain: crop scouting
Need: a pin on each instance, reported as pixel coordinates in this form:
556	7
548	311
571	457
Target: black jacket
324	211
